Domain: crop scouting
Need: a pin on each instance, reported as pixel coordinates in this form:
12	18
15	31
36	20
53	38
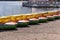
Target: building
38	0
43	0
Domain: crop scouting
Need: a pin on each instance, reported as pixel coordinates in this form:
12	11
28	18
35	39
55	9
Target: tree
13	0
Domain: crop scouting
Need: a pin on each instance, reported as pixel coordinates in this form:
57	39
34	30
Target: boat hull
42	20
7	27
50	19
22	24
57	17
33	22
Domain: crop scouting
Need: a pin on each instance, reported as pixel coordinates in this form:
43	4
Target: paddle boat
42	18
23	22
50	16
57	15
7	24
33	19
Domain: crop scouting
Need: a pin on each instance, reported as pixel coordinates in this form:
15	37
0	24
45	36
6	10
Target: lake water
12	8
15	7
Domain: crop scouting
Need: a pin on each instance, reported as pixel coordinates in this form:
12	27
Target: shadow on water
8	30
34	24
23	26
1	30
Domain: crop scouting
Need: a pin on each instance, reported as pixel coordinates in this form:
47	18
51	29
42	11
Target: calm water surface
15	7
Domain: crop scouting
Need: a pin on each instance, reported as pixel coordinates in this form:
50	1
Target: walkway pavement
43	31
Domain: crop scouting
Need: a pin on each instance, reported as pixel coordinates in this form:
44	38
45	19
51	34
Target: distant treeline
24	0
13	0
58	0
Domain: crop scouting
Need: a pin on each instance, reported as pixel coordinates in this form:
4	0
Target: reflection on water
43	9
11	8
15	7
